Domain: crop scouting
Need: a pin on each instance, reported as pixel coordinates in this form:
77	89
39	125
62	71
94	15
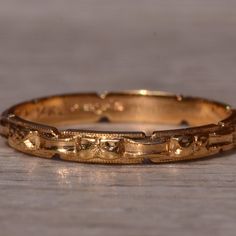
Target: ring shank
32	127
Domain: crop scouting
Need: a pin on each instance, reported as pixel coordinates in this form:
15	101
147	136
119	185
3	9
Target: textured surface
61	46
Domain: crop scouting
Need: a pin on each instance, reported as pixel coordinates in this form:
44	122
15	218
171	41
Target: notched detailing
52	132
99	149
181	146
24	139
104	119
184	123
32	140
103	95
179	98
147	161
115	147
224	139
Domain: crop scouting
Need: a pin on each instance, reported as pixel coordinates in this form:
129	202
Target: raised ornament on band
33	127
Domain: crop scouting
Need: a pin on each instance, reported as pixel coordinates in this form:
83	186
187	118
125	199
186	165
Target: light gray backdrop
54	46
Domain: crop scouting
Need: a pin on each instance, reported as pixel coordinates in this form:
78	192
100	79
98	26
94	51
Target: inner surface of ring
122	108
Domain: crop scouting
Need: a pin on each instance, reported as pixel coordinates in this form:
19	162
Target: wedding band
32	127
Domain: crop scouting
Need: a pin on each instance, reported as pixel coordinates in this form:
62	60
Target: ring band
30	127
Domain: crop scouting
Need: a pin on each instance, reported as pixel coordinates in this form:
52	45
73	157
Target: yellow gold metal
32	127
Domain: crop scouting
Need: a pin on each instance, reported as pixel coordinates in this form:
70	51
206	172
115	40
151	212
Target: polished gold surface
33	127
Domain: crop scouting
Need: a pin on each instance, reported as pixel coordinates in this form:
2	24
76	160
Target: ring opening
122	108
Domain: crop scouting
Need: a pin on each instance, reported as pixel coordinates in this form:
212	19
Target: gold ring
32	127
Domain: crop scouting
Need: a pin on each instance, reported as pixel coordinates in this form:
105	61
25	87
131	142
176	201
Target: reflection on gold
143	92
94	178
31	166
63	174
